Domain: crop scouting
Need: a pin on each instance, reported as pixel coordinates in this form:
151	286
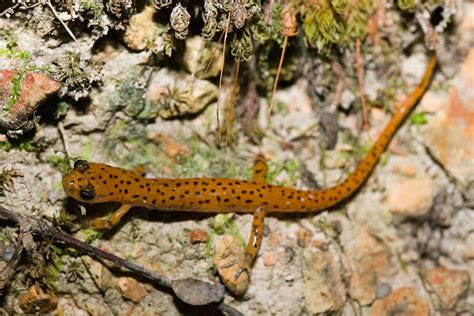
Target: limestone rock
448	285
324	290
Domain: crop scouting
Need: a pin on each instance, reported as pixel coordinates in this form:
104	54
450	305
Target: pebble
448	285
197	236
131	289
402	302
412	198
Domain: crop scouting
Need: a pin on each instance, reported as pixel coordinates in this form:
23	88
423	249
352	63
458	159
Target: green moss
60	161
23	59
22	144
291	167
406	5
418	119
223	224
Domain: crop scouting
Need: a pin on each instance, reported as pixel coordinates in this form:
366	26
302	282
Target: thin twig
222	75
41	228
360	80
62	22
277	77
9	10
62	133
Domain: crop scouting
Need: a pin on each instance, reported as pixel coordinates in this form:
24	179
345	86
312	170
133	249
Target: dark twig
41	228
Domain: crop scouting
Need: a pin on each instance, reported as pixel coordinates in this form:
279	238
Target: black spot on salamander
186	192
158	191
218	198
243	191
116	186
260	195
137	180
197	193
233	191
110	176
290	197
219	183
153	202
226	200
195	183
207	201
204	189
147	184
120	190
126	191
111	193
165	185
178	184
181	196
275	206
186	182
213	190
121	181
115	176
172	198
129	182
149	190
265	203
104	182
251	192
135	196
92	178
248	201
163	201
238	197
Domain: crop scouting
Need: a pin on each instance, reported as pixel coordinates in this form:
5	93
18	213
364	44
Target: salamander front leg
139	170
260	169
255	240
112	220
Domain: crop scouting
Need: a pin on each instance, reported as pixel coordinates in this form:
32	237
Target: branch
190	291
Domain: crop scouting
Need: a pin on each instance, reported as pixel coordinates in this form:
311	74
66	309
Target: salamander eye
81	165
87	193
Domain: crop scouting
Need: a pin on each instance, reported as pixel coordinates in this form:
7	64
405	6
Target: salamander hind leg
254	243
112	220
260	169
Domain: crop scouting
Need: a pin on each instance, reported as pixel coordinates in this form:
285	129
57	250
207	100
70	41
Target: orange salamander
98	183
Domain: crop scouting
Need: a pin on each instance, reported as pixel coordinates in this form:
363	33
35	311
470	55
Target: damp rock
22	93
131	289
180	95
197	293
324	290
142	31
201	58
403	299
369	261
412	198
450	135
37	301
228	256
448	285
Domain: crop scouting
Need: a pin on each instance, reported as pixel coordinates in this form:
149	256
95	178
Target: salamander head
90	182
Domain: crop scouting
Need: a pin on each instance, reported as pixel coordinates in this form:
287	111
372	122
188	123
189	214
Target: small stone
269	258
228	259
274	239
403	302
131	289
369	261
412	197
303	237
202	59
448	285
450	135
324	290
383	290
35	88
180	95
142	30
37	301
407	170
172	148
197	236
